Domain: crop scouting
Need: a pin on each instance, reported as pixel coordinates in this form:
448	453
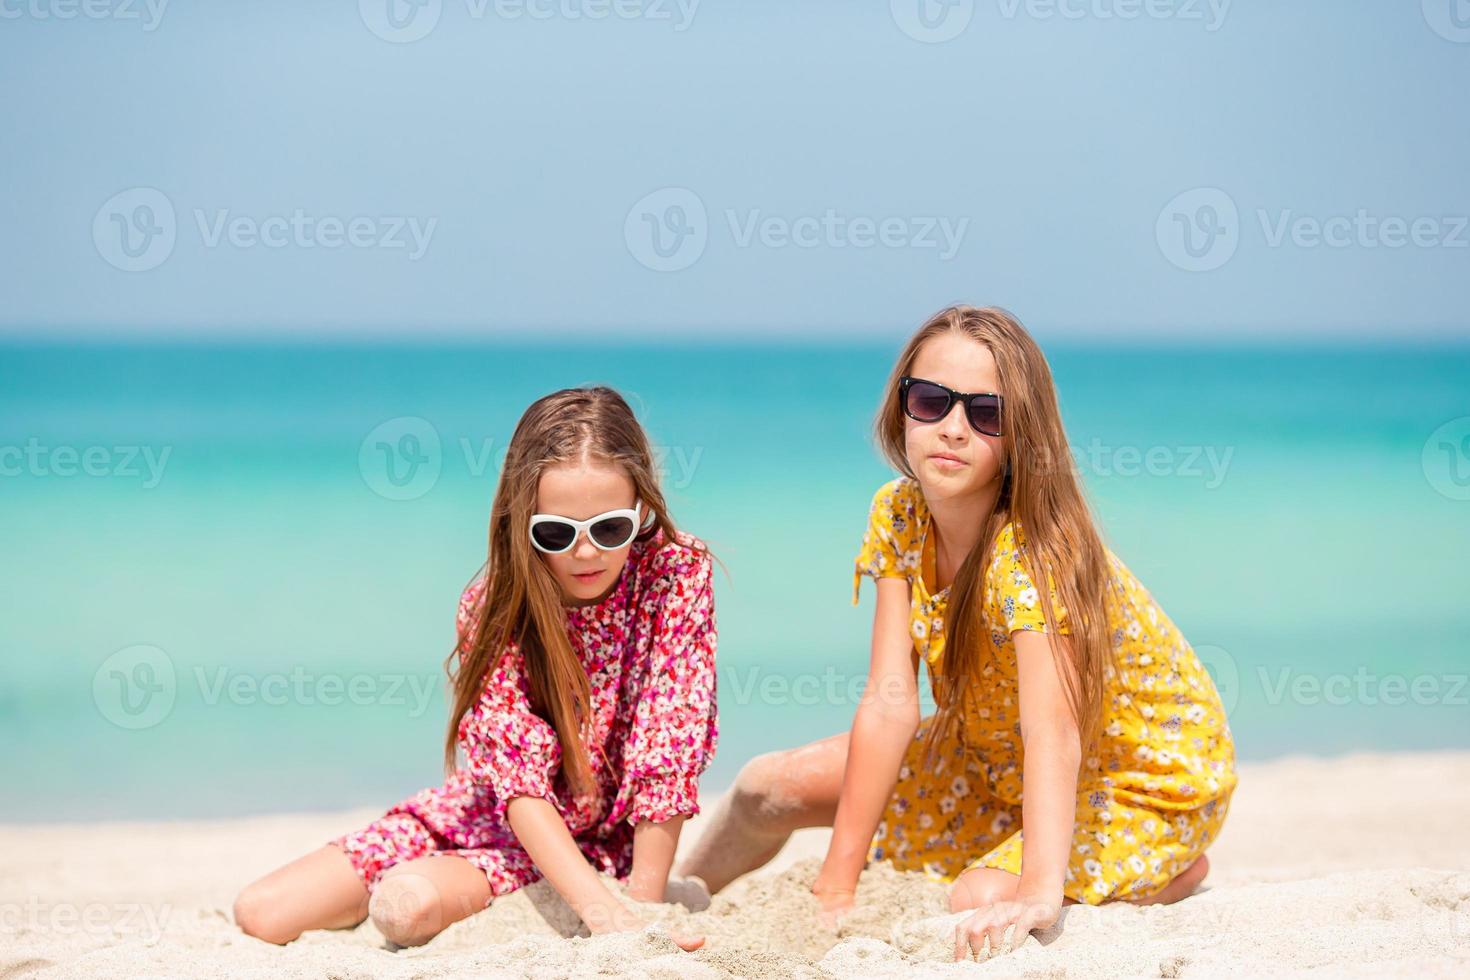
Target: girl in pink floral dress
583	685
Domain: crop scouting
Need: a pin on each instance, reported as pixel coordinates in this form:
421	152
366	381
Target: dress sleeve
507	746
675	721
468	615
888	549
1015	602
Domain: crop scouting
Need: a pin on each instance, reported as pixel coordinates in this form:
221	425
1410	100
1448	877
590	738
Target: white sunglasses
610	531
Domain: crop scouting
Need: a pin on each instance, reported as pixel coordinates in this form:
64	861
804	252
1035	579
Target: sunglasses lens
612	533
926	402
985	414
553	535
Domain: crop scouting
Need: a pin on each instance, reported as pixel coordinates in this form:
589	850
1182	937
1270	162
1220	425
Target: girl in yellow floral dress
1079	752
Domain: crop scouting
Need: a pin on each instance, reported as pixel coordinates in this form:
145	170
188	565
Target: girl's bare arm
543	833
1053	754
653	854
882	729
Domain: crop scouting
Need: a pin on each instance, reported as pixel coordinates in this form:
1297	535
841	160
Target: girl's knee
1182	886
257	913
783	791
406	909
760	789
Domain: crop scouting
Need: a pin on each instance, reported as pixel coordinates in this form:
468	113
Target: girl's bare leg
980	887
319	890
417	899
774	795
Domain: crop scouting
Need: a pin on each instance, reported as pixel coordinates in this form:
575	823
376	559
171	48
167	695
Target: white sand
1350	867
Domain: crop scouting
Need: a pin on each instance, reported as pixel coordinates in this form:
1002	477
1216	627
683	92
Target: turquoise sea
230	572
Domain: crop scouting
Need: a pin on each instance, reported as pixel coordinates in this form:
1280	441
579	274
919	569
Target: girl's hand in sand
835	902
543	833
621	919
988	927
687	943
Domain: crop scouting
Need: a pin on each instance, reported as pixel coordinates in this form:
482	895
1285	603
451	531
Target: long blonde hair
1043	497
522	601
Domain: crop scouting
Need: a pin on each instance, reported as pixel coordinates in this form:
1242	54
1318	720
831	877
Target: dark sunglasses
929	401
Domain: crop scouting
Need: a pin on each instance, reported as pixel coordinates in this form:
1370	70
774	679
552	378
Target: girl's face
949	458
580	490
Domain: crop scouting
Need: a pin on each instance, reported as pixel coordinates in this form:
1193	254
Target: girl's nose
955	425
584	548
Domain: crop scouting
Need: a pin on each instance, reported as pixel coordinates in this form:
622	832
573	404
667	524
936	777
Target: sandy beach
1353	866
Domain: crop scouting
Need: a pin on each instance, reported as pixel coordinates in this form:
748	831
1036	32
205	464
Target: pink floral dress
649	652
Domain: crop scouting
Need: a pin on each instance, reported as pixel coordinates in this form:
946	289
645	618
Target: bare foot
1182	886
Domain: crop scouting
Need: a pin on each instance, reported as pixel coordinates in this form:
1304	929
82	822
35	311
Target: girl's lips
586	576
945	460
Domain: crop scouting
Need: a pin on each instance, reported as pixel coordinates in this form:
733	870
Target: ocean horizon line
764	337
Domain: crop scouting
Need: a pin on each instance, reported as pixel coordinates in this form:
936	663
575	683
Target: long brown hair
1055	533
522	601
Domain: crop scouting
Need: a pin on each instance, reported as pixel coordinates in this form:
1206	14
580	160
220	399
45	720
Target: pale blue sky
1040	150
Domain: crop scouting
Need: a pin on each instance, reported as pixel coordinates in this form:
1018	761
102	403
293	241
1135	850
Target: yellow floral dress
1152	795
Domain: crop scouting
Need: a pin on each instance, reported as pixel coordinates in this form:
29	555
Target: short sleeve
507	746
1016	603
890	546
675	720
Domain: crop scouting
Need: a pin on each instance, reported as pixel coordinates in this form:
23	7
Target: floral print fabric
1151	796
648	649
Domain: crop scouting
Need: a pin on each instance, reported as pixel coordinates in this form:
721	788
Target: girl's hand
624	920
687	943
1024	914
543	833
835	902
